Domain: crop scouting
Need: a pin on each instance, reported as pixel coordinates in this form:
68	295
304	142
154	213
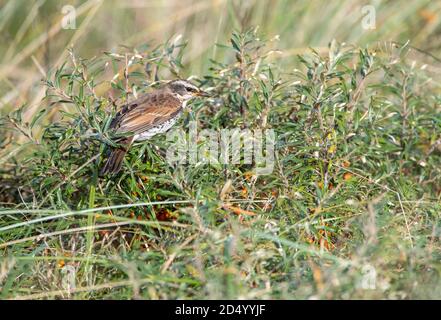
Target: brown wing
146	112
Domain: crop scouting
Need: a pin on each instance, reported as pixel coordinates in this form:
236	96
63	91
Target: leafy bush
351	209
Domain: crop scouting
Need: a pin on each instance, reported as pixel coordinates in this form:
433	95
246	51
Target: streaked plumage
147	116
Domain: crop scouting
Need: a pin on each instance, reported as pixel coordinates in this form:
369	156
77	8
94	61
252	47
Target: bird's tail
116	157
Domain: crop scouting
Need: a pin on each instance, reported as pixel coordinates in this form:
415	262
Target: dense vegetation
351	209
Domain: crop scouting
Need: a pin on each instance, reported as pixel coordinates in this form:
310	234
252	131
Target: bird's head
185	90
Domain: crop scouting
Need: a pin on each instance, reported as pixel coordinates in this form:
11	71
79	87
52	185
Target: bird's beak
201	93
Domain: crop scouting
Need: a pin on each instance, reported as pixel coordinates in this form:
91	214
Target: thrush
147	116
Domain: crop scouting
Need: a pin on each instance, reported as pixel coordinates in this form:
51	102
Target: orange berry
346	164
247	175
347	176
103	233
429	16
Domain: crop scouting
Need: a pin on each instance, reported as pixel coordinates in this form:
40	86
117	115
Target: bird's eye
191	89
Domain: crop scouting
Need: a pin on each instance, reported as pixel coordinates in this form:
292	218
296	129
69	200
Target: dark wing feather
146	113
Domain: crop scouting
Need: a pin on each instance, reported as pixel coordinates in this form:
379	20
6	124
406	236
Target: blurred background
35	35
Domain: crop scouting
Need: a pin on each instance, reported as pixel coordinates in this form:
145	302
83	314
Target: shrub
350	210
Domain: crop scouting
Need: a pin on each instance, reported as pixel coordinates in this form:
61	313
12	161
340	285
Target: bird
148	115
